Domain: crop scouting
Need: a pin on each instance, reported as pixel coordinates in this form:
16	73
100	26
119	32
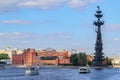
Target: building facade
10	51
116	62
43	57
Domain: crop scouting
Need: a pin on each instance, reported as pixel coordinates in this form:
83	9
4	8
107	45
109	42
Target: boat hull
84	70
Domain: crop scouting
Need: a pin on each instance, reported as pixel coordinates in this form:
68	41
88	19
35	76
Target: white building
116	62
11	51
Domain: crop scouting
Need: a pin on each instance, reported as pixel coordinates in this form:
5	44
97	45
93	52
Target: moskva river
13	73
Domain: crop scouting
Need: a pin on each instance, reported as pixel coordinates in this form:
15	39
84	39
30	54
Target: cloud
116	39
55	36
112	27
17	22
77	4
42	4
23	40
16	5
16	33
26	22
1	34
80	4
8	5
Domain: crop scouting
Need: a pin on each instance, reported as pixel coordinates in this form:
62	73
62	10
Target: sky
59	24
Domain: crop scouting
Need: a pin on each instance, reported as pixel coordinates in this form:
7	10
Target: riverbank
60	66
53	66
45	66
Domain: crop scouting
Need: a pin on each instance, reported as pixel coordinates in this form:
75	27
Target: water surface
13	73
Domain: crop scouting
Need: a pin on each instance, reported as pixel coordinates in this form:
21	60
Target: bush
4	56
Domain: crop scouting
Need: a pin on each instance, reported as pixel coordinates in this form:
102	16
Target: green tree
4	56
78	59
90	63
108	61
74	59
82	59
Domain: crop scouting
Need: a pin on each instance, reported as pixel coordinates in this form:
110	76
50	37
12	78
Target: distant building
11	51
47	56
116	62
90	58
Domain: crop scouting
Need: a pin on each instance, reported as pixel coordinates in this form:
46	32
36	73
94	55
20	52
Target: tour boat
84	69
30	71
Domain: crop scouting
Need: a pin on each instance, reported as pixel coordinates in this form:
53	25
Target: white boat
30	71
84	69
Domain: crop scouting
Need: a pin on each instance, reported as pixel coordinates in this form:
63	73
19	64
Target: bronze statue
98	58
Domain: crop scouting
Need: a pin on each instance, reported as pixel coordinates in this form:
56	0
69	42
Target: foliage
4	56
90	63
78	59
82	58
74	59
108	61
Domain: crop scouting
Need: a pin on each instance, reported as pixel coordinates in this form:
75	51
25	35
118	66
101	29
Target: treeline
81	59
4	56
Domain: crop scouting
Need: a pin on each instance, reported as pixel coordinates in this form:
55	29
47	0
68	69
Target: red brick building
43	57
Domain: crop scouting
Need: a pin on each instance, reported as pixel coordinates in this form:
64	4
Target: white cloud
77	3
16	33
42	4
80	4
8	5
23	40
112	27
58	36
17	22
15	5
116	39
1	34
26	22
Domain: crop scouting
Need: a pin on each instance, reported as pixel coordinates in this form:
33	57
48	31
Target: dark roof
48	57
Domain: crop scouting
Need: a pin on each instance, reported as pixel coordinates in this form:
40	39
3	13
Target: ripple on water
60	74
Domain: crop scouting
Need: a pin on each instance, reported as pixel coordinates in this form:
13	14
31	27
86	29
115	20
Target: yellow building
116	62
11	51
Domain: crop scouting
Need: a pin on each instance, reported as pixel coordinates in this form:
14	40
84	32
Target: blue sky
59	24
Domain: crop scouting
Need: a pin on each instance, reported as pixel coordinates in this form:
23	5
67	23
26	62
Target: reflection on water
60	74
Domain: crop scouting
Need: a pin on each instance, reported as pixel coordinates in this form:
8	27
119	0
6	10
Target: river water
14	73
